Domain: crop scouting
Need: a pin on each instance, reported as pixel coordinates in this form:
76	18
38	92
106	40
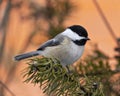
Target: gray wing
49	43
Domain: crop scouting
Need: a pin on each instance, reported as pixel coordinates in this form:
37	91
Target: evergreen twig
54	79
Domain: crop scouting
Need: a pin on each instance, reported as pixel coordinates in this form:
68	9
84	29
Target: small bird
67	46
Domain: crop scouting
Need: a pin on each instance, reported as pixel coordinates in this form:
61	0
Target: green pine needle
56	80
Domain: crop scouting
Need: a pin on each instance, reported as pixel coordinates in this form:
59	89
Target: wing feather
49	43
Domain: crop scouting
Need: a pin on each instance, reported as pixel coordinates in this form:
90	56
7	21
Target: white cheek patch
74	36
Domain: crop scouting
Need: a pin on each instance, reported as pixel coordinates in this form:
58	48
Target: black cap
81	31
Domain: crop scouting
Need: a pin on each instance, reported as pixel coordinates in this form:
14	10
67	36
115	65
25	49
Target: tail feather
26	55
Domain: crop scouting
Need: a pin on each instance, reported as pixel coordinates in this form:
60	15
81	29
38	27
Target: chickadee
67	46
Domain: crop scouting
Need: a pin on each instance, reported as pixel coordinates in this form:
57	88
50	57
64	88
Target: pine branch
54	79
100	68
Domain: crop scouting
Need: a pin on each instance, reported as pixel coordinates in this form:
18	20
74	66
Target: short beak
87	38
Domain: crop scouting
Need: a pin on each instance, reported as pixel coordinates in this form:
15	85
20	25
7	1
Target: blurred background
25	24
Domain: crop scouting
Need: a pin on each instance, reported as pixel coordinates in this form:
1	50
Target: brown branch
3	28
1	1
4	86
105	20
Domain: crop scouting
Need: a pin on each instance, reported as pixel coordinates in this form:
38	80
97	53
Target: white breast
67	52
75	53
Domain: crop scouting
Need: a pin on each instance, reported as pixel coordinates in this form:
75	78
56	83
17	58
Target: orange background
85	14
